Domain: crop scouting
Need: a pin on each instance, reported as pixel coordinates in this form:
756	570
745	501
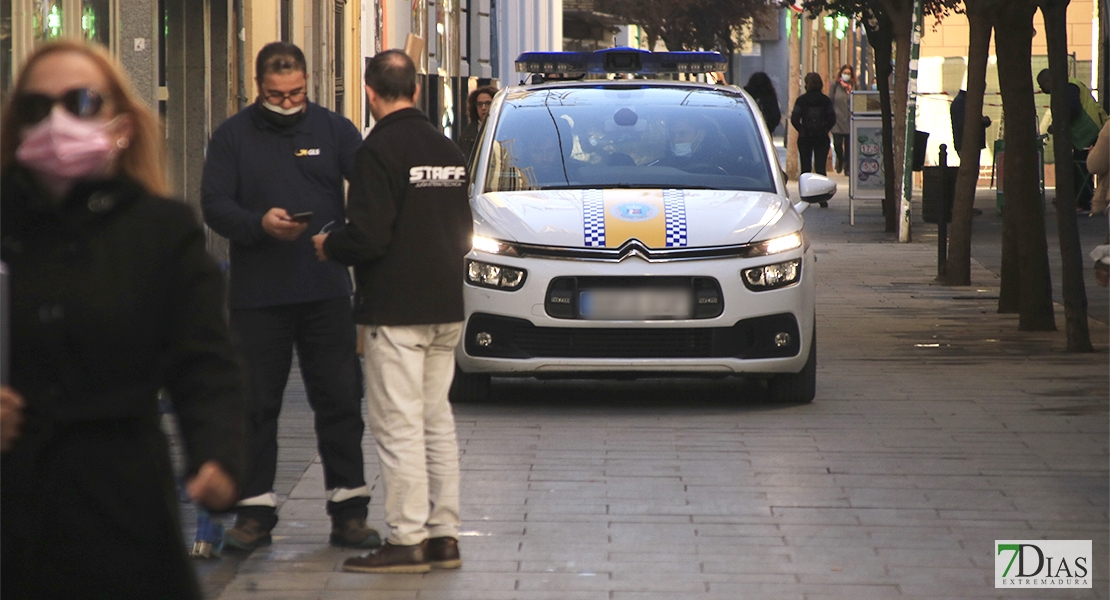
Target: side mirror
815	188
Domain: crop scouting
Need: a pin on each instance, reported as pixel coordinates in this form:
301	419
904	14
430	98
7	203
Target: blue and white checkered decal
674	208
593	218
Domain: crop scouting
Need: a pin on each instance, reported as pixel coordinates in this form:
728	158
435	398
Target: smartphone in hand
301	217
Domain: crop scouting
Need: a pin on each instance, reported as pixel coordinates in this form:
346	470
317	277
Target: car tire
469	387
800	387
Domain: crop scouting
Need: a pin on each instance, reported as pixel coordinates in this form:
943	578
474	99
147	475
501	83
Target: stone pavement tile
585	534
680	584
565	581
280	581
771	590
436	580
928	558
318	595
755	590
513	595
741	530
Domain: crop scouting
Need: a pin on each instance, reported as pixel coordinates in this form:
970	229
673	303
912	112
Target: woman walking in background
763	92
113	297
477	109
839	93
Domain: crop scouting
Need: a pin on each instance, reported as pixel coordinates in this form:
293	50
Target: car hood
609	218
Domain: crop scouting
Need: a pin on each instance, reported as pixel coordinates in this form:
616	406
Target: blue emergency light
618	60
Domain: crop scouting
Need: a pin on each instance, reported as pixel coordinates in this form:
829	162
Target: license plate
638	304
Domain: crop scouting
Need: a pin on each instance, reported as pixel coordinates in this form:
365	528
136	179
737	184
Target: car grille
517	338
614	343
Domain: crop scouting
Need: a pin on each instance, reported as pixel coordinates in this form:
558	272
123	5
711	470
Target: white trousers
408	375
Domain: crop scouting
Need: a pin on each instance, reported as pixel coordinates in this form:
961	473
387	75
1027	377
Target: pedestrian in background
477	110
273	171
840	93
813	116
1085	118
113	297
409	227
763	92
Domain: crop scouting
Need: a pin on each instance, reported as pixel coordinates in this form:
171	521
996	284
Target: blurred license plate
624	305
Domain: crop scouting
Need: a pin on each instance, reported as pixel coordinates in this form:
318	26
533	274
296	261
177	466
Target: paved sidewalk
938	428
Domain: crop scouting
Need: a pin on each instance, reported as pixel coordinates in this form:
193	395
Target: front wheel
800	387
469	387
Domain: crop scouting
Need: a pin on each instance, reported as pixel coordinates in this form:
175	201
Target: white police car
634	226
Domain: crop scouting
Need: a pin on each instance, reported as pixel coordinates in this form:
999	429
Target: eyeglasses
82	103
487	103
327	227
276	97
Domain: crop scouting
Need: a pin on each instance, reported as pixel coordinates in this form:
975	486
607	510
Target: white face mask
283	111
845	77
683	149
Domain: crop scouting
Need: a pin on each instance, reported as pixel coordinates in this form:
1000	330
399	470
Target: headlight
776	245
773	276
494	276
482	243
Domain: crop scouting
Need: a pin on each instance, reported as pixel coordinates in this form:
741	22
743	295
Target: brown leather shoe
390	559
442	552
354	533
249	533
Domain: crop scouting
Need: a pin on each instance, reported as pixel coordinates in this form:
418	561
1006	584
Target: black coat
769	107
409	224
817	99
113	298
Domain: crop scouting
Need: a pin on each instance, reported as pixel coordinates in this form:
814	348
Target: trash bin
920	143
935	200
1000	169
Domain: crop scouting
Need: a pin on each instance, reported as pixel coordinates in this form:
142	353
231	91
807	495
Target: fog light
782	339
484	339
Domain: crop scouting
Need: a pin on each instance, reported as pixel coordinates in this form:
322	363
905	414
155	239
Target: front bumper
523	339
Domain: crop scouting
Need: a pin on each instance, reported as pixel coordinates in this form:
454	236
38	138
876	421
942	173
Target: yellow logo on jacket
307	152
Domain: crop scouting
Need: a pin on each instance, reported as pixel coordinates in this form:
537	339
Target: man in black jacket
273	171
409	227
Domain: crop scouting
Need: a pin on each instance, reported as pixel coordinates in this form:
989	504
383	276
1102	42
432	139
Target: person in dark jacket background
763	92
813	116
280	157
409	227
112	298
956	112
477	109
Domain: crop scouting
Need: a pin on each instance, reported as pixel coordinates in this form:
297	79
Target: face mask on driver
683	149
845	77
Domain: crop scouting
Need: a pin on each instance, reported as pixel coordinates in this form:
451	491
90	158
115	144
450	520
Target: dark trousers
843	152
814	154
324	335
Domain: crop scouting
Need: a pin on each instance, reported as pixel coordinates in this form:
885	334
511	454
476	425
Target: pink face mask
63	149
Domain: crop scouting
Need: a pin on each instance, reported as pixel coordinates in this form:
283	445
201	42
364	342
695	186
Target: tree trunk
879	38
1071	253
958	267
790	136
900	14
1022	213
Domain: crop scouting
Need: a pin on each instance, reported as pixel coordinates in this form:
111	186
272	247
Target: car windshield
635	136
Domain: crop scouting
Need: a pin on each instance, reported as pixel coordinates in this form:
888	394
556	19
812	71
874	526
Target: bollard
210	536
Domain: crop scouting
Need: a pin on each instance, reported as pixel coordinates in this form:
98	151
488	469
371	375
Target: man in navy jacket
409	227
273	175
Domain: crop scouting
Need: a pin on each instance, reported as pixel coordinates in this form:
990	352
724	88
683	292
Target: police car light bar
619	60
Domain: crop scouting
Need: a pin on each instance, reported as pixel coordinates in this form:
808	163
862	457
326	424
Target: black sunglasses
80	102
